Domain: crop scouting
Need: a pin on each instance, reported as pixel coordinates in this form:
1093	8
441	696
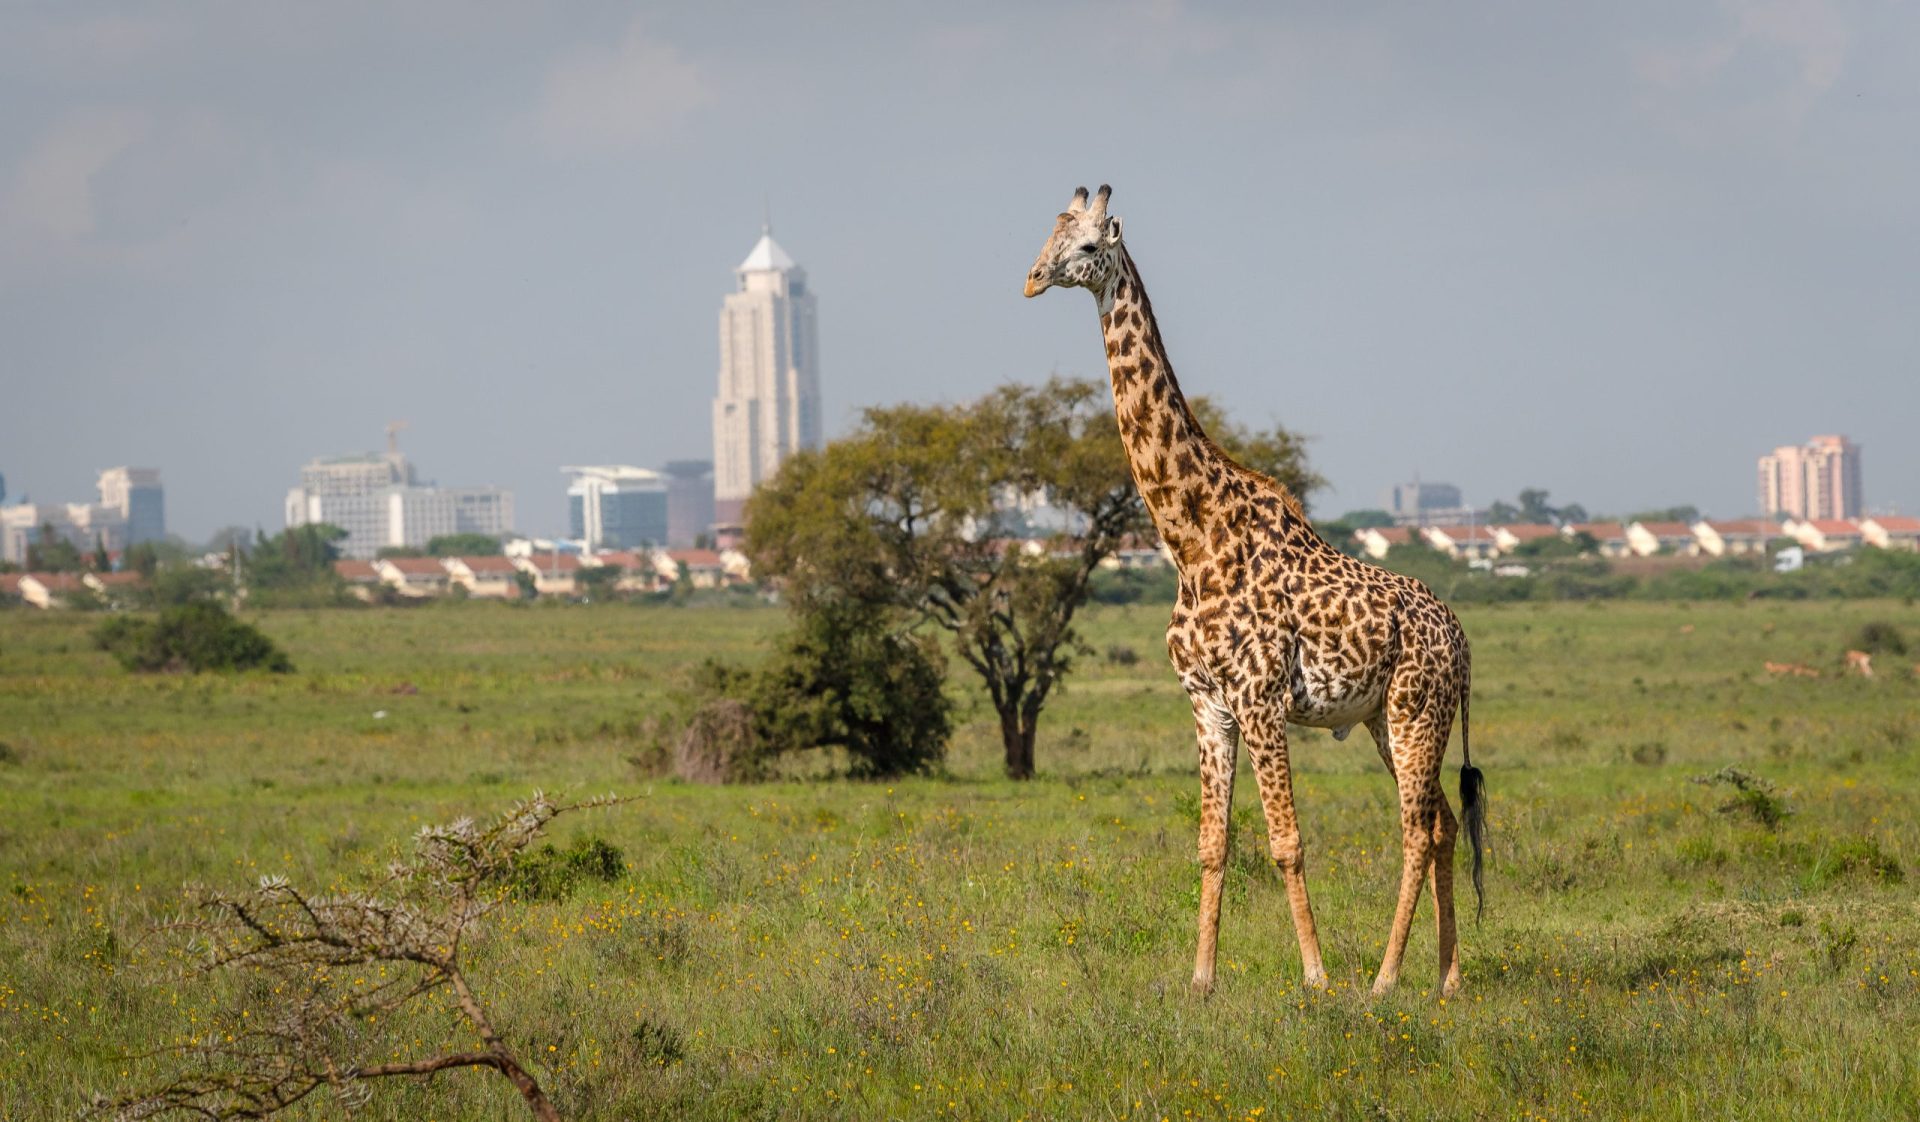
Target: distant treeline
1858	574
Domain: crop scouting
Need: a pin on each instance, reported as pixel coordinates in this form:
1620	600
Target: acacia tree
926	510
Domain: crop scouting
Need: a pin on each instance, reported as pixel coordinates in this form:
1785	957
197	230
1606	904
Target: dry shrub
718	744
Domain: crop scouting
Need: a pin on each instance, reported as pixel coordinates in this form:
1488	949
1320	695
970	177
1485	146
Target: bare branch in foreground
412	922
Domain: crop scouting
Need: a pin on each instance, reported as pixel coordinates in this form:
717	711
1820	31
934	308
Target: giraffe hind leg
1445	829
1414	758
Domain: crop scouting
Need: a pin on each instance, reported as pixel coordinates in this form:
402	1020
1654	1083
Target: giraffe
1274	626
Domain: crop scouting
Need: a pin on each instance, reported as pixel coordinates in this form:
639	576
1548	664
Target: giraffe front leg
1266	737
1218	740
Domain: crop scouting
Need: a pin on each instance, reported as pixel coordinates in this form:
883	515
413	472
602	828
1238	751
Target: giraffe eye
1087	248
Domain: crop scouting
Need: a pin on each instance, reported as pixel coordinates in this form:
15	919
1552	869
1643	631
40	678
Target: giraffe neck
1174	464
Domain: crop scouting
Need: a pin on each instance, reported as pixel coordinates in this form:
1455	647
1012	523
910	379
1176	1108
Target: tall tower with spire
768	406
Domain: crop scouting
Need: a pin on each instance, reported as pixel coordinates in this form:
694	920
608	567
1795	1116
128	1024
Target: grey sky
1616	251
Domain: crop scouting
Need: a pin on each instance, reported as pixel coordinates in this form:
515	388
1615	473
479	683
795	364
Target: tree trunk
1016	736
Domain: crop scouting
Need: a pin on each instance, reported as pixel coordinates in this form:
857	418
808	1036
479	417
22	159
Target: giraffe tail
1473	802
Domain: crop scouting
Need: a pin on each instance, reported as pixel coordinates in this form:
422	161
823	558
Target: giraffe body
1273	626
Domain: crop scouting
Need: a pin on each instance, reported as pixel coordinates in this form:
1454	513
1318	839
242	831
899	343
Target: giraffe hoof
1201	987
1316	979
1451	984
1382	985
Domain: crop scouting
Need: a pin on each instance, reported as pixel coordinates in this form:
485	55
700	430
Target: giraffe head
1084	249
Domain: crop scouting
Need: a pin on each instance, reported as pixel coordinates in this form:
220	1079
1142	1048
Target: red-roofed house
1891	531
1673	538
10	585
1610	538
115	588
1742	535
640	570
413	576
1826	535
49	590
704	567
1375	541
489	578
1471	542
553	572
356	572
1510	538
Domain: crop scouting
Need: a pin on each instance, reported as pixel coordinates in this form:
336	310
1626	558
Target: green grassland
967	947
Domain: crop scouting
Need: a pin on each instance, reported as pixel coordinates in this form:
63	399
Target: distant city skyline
1602	250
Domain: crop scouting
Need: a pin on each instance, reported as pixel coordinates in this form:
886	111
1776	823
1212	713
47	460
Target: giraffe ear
1113	231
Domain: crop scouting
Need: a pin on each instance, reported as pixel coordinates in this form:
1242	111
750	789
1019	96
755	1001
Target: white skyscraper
768	406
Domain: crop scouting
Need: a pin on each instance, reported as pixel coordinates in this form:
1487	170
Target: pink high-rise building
1820	479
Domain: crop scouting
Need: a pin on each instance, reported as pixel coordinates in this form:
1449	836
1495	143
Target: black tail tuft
1473	811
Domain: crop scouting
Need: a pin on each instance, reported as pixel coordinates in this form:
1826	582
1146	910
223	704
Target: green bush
844	676
1754	797
1878	637
190	638
1156	585
549	873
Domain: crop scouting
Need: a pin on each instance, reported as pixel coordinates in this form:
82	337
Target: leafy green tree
1503	513
464	545
1686	512
227	537
596	582
142	558
53	553
1534	508
297	557
184	584
388	551
913	513
1367	519
1557	546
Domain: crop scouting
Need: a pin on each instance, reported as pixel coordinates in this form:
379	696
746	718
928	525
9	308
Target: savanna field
967	947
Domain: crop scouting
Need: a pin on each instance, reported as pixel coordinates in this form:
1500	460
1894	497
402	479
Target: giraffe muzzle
1036	284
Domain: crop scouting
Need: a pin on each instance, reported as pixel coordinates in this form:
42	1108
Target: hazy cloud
52	198
1760	74
607	98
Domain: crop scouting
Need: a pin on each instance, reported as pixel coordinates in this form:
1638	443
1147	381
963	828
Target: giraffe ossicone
1273	626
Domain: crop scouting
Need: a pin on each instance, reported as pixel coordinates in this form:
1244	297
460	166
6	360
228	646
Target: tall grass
966	947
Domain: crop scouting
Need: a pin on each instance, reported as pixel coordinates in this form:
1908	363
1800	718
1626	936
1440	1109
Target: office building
616	506
1817	480
689	501
379	501
136	493
768	405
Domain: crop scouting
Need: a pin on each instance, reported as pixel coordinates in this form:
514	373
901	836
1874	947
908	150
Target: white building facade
88	526
768	405
379	502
